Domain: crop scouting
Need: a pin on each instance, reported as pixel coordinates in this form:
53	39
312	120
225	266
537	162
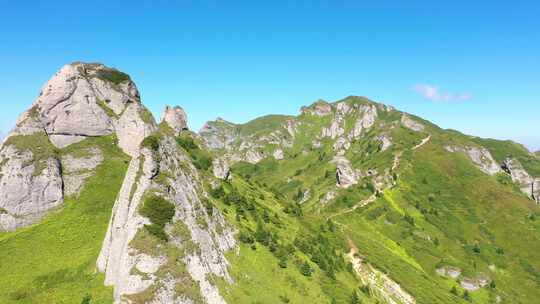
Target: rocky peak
86	100
175	117
319	108
80	101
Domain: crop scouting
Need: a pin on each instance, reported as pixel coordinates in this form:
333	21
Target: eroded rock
28	188
527	184
175	117
411	124
479	156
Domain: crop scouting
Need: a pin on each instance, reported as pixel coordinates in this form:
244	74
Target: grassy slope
54	260
455	207
255	269
502	149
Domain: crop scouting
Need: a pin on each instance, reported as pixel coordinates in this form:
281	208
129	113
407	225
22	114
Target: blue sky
474	67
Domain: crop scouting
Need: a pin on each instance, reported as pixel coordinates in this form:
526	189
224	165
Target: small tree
87	299
354	298
283	262
467	296
306	269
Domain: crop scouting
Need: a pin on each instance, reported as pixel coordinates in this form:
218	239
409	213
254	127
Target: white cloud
433	93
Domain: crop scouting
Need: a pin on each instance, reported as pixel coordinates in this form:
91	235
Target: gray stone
26	194
411	124
176	118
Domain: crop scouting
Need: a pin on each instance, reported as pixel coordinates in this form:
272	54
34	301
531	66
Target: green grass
266	123
40	146
113	76
159	211
54	261
502	149
443	211
107	110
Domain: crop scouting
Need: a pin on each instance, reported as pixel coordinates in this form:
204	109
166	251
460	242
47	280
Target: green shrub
306	270
201	159
113	76
151	142
159	211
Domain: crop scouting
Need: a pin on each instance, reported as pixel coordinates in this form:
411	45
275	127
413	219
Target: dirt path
379	283
423	142
361	203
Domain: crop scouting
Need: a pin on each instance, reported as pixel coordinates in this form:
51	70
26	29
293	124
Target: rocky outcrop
116	258
176	118
346	176
448	271
366	119
29	188
528	185
479	156
75	170
80	101
197	238
379	283
474	284
219	134
88	100
411	124
334	130
221	168
278	154
319	108
386	142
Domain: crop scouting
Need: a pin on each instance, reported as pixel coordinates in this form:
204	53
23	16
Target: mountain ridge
347	200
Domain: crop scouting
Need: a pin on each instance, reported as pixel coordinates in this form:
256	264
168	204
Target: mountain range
351	201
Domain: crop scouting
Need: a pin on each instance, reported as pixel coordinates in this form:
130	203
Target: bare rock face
200	246
319	108
346	176
527	184
411	124
75	170
80	101
278	154
219	134
386	142
480	157
88	100
175	117
221	168
28	188
448	271
366	119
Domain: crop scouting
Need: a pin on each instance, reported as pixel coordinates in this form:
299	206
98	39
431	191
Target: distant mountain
350	201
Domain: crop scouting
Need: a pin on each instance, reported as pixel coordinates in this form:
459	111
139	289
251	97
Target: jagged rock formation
411	124
80	101
527	184
176	118
29	188
134	269
242	212
481	157
346	176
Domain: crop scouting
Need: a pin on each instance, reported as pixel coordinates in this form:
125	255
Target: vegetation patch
108	111
202	160
160	212
112	75
40	147
34	266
